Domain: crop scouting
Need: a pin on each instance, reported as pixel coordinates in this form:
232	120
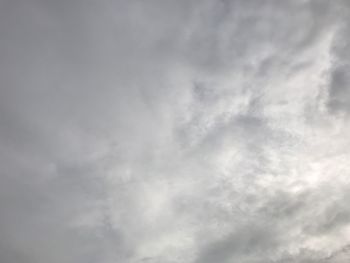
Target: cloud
174	131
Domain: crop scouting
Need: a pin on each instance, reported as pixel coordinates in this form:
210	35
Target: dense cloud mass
174	131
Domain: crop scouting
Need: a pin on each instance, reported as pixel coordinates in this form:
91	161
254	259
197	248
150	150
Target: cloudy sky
174	131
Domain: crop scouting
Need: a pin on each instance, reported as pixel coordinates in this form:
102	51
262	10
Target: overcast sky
174	131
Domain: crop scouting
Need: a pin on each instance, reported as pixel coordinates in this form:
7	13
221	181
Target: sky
174	131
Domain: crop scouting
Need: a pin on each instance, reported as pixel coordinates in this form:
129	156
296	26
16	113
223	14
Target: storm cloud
174	131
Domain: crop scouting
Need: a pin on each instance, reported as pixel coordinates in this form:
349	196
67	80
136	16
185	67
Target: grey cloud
339	79
174	131
250	243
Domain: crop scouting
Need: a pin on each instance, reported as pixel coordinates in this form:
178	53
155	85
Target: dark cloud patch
247	241
339	79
